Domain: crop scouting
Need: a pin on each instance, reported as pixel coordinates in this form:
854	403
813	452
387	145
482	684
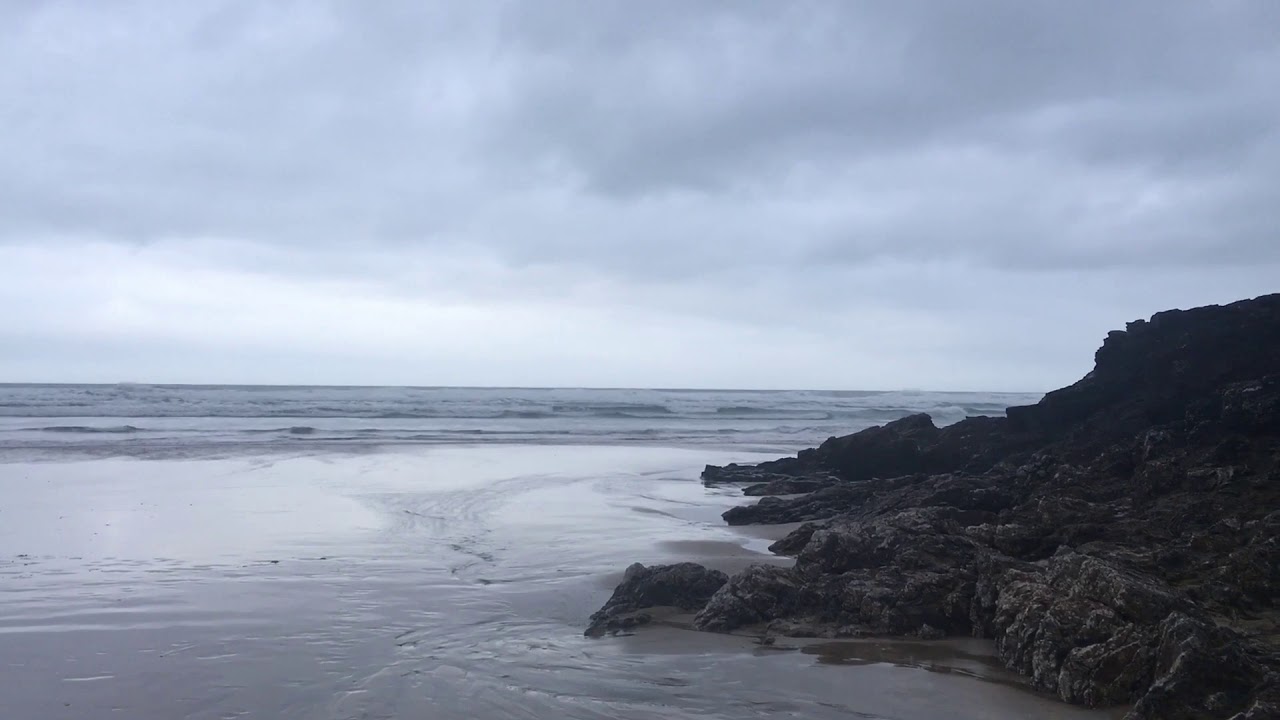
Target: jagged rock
684	585
918	538
1120	539
795	540
967	499
914	444
819	505
789	486
910	573
1084	629
896	574
907	446
758	594
1150	372
737	474
1252	406
1204	671
897	448
779	469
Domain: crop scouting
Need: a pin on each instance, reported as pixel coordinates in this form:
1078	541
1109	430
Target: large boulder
756	595
687	586
896	448
911	573
914	444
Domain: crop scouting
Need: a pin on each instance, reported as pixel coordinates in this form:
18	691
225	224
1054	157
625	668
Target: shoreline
1050	531
671	630
424	579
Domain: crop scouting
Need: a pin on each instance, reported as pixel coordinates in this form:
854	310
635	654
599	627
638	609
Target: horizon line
500	387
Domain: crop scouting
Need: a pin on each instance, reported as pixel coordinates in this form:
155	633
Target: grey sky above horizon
838	195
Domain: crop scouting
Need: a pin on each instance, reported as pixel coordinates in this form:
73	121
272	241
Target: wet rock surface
687	586
790	485
1119	540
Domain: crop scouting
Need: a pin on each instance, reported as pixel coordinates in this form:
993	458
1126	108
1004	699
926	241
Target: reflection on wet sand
446	584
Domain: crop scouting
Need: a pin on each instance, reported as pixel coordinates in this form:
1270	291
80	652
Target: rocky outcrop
780	469
687	586
772	510
757	594
790	485
1152	371
1119	541
1205	671
1084	628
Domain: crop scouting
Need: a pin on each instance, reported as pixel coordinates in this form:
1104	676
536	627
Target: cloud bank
719	194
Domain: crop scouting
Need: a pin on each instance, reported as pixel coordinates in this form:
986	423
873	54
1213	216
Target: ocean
197	420
339	553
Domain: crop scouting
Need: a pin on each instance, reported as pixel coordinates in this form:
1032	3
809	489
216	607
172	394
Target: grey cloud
318	121
763	166
1123	98
865	82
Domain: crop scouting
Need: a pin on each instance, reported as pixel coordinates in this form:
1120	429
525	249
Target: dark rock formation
796	540
1153	371
773	510
687	586
759	593
790	485
1119	540
1083	628
780	469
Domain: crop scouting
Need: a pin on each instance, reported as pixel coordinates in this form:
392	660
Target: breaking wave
117	430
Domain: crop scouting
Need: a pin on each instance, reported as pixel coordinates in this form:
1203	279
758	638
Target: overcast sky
849	195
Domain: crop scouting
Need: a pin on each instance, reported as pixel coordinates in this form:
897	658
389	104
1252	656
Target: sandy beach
441	582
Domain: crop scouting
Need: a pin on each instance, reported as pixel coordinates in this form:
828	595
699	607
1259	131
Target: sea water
324	552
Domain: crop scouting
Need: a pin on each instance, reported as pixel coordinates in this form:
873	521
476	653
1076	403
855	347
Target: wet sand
723	555
443	583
